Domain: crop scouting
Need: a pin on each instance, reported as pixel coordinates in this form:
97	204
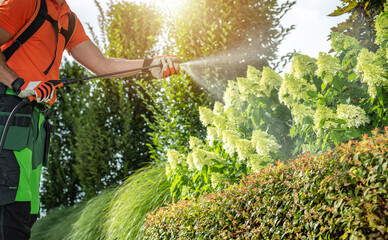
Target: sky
312	25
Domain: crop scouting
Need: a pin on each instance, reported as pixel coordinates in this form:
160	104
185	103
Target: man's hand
170	66
42	91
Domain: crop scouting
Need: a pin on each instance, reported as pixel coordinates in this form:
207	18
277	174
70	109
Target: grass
114	214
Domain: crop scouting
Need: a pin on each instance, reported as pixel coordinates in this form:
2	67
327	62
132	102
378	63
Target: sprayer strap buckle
46	111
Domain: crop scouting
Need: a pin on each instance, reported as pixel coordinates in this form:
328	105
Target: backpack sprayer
58	84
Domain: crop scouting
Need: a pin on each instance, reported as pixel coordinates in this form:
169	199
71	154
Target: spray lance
59	84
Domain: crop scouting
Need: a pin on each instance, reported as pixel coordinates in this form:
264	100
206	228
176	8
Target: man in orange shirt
25	69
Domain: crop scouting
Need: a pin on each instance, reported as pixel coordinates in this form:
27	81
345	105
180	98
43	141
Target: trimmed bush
341	194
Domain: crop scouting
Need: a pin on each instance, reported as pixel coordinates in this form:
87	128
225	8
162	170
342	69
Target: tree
228	35
61	184
361	22
113	136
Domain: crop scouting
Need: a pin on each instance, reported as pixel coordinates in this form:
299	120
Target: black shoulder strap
30	30
40	18
70	30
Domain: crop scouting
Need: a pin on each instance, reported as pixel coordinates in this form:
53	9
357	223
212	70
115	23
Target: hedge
341	194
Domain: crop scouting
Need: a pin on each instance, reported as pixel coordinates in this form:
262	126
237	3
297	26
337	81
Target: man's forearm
7	76
111	65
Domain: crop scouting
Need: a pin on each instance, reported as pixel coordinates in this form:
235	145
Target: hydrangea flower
300	111
353	115
168	171
324	112
254	74
190	161
231	95
217	178
245	86
329	64
175	158
222	122
244	149
303	65
218	108
230	139
294	89
195	142
381	26
257	162
271	80
203	157
340	41
206	115
373	73
212	135
185	190
264	142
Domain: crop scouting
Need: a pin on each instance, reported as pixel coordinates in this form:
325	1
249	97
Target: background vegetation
198	145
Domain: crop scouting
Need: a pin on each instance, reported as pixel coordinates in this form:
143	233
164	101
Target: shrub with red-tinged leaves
338	195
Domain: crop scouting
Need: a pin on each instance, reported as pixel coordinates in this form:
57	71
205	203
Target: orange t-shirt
35	55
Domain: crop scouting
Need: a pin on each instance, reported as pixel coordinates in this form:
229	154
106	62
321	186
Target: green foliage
113	214
247	133
360	23
335	99
131	29
235	33
174	104
143	192
112	134
57	225
339	195
90	223
61	184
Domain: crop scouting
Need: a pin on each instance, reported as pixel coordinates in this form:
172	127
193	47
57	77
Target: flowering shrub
339	195
246	133
266	117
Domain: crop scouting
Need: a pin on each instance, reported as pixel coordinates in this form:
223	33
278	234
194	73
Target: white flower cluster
254	74
218	108
270	80
175	158
168	171
300	111
231	95
353	115
328	64
212	135
373	73
195	142
257	162
230	139
190	161
246	86
340	41
264	143
381	26
324	112
217	178
303	65
203	158
244	149
294	89
206	115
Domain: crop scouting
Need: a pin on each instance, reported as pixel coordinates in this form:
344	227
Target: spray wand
58	84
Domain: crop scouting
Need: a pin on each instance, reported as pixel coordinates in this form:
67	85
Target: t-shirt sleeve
14	14
78	36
